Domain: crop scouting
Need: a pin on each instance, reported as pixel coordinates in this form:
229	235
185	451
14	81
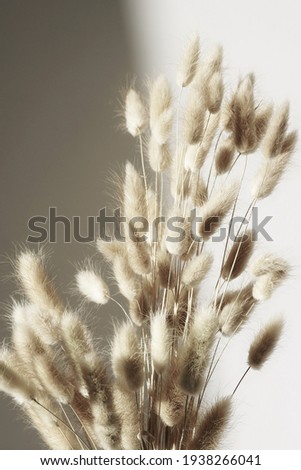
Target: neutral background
63	65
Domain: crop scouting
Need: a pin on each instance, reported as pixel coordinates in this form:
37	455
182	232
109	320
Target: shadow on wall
63	64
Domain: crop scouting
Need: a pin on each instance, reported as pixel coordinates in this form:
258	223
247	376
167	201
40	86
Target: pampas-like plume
126	407
262	118
234	309
138	253
135	113
195	155
178	245
224	156
128	282
134	202
194	120
195	353
188	64
127	360
212	427
215	91
269	175
160	342
264	343
52	379
172	401
270	271
110	249
92	286
238	256
77	336
215	210
270	263
11	381
35	281
272	143
196	269
160	110
159	156
244	116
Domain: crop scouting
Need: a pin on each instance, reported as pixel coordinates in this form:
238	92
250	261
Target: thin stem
122	308
142	163
61	421
84	427
240	381
70	424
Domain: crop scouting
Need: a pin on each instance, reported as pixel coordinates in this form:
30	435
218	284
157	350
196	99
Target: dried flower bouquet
152	393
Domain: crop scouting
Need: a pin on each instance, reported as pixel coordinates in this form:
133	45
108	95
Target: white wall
264	37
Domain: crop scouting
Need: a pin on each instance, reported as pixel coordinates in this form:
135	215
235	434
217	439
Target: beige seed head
12	382
264	343
135	113
196	269
189	61
238	256
212	426
214	93
224	156
234	309
194	120
160	342
215	210
36	283
127	359
91	285
158	155
272	143
195	353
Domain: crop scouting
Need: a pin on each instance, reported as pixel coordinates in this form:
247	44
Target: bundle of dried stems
164	353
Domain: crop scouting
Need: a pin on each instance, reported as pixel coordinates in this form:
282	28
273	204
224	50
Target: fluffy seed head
92	286
224	156
11	381
194	120
189	61
262	118
134	198
212	426
215	209
269	263
35	281
214	92
196	154
271	144
160	343
264	343
110	249
135	113
244	116
178	235
158	155
234	309
196	269
160	110
269	175
127	359
195	353
238	256
128	281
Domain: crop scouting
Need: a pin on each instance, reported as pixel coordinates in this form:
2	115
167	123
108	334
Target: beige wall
63	63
